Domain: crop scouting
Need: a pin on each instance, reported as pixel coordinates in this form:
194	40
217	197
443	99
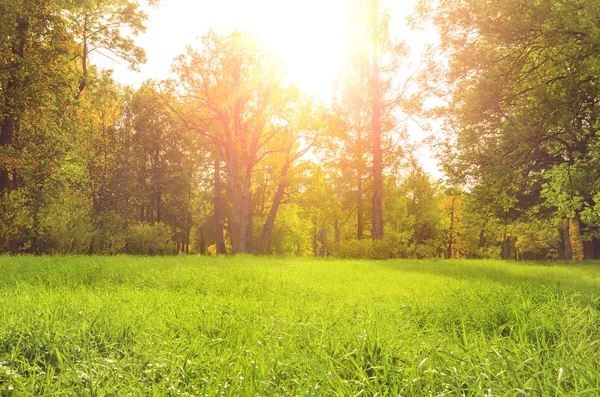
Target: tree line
226	156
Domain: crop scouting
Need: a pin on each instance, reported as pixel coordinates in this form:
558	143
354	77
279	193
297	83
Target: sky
310	36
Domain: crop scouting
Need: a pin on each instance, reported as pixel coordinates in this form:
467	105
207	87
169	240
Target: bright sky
308	35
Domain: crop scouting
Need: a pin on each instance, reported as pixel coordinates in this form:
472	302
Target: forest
226	156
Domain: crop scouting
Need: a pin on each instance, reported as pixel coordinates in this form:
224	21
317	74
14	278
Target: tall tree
349	134
377	231
237	100
33	69
100	26
296	141
522	91
386	91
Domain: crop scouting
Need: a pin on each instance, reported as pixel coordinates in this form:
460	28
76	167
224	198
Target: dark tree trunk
265	238
218	210
451	232
240	173
336	226
588	250
315	238
596	245
249	226
323	241
377	233
505	247
359	208
6	139
158	206
202	243
156	181
84	60
11	92
239	192
245	215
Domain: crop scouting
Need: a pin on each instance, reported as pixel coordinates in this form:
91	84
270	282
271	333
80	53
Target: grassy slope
272	326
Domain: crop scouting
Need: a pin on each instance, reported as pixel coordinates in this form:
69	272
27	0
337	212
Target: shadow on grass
581	276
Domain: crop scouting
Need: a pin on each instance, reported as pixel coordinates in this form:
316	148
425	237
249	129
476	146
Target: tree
522	89
235	97
98	27
33	73
298	139
386	94
451	206
349	135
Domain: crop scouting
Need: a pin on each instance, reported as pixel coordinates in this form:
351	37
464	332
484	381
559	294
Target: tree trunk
11	91
240	208
564	227
6	139
202	243
336	227
506	247
158	206
482	238
377	233
323	241
157	182
265	238
239	182
596	244
451	232
218	210
314	238
249	225
245	215
359	208
575	240
84	59
235	195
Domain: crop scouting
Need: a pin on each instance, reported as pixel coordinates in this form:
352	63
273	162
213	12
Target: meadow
258	326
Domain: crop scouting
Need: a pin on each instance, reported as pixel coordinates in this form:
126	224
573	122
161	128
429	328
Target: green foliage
66	226
283	326
110	237
520	89
356	249
292	235
572	190
17	221
146	239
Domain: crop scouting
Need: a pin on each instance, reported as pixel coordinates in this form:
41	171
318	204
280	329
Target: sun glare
310	36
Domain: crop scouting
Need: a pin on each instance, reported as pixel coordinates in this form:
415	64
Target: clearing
248	326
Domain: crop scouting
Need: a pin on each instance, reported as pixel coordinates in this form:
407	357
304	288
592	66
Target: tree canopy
227	156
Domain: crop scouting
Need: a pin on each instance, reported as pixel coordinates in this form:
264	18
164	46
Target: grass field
247	326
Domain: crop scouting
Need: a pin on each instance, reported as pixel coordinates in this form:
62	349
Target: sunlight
311	36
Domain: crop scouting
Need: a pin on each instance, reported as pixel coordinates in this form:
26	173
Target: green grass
246	326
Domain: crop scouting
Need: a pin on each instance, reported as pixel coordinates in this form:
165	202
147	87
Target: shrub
66	226
16	222
110	235
146	239
357	249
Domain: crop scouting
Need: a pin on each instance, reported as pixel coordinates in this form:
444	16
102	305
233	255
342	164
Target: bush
426	250
16	222
383	249
146	239
66	226
110	235
356	249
